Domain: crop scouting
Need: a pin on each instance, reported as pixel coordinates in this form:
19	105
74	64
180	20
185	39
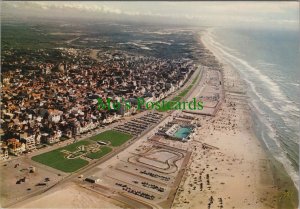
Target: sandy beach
150	105
229	167
70	196
235	173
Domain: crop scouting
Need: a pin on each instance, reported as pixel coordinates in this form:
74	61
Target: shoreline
234	170
285	190
263	129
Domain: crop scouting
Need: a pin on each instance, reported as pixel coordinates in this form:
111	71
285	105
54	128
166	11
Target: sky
225	14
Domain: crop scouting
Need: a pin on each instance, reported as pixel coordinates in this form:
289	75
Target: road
92	165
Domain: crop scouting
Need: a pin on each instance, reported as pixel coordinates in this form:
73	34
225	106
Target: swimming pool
183	132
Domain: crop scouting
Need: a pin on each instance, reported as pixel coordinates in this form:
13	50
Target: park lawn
69	165
103	151
56	159
73	147
115	138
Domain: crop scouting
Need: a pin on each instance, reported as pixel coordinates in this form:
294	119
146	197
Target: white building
54	115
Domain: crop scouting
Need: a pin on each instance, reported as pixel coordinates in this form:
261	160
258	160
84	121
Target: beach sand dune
70	196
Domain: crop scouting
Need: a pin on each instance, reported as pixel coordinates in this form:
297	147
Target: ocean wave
294	84
278	103
268	83
266	91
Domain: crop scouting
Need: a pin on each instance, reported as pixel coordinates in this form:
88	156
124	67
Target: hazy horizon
282	15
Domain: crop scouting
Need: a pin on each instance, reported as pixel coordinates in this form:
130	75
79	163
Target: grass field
115	138
56	159
103	151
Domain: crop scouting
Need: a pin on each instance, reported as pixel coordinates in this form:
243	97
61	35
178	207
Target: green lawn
103	151
115	138
73	147
56	159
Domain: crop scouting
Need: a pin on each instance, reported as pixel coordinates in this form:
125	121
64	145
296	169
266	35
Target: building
3	151
54	137
15	147
54	115
30	141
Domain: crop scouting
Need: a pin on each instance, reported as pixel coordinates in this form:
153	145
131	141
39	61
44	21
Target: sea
268	60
